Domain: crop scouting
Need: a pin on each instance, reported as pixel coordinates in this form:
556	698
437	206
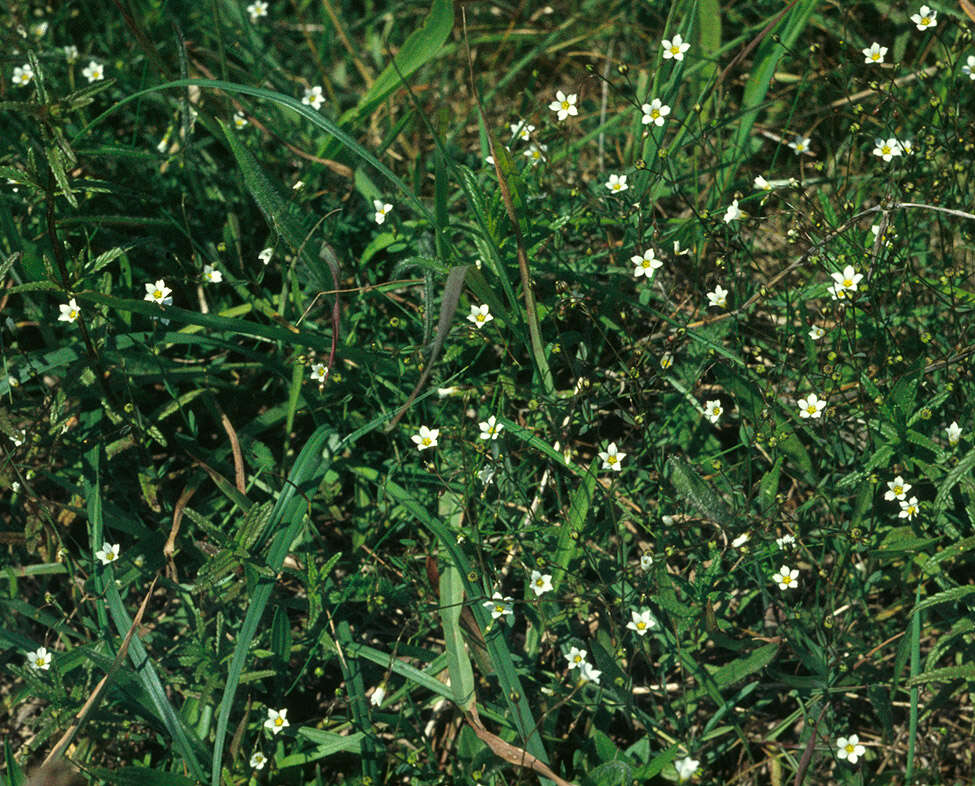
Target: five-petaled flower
617	183
564	105
954	433
925	18
426	438
257	9
811	407
909	509
887	148
849	748
655	112
786	541
313	97
490	428
589	673
719	297
896	489
847	280
535	153
786	578
675	49
646	265
69	311
265	255
713	410
522	130
576	657
480	315
108	553
23	75
39	659
159	293
969	68
761	183
239	120
733	213
71	53
800	145
258	760
318	372
277	721
93	72
646	561
376	700
500	606
641	621
875	54
541	583
816	332
686	768
382	210
612	458
211	275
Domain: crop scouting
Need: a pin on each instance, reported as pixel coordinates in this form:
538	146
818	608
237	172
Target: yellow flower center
426	440
655	113
925	20
850	748
787	579
641	625
847	282
898	490
479	317
279	721
577	659
675	50
565	105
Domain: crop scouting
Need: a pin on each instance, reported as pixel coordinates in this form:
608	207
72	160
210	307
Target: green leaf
697	491
458	662
281	635
571	529
966	671
947	596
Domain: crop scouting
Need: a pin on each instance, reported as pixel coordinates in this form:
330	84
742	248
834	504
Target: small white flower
875	54
786	578
848	278
641	622
490	428
486	475
589	673
382	210
719	297
108	553
925	18
655	112
277	721
617	183
211	275
376	700
535	153
887	148
785	542
836	291
761	183
522	130
666	360
159	293
313	97
318	372
909	509
426	438
907	146
954	433
19	438
686	768
39	29
265	255
299	184
239	120
969	68
71	53
741	540
39	659
480	315
576	657
675	49
500	606
258	760
678	251
816	332
564	105
612	459
93	72
733	213
646	265
646	561
850	748
897	489
23	75
69	311
811	407
257	9
713	410
541	583
800	145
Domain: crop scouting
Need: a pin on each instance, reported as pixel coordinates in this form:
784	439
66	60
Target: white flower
108	553
875	54
522	130
69	311
741	540
299	184
733	213
907	146
564	105
500	606
848	279
93	72
71	53
18	439
954	433
836	291
666	360
376	700
535	153
277	721
426	438
786	541
480	315
490	428
589	673
23	75
40	659
313	97
576	657
816	332
761	183
258	760
675	49
612	459
655	112
686	768
887	148
678	252
969	68
159	293
719	297
641	622
265	255
239	120
541	583
382	210
646	561
257	9
646	265
925	18
617	183
486	475
800	144
850	748
896	489
211	275
811	407
909	509
318	372
786	578
39	29
713	410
